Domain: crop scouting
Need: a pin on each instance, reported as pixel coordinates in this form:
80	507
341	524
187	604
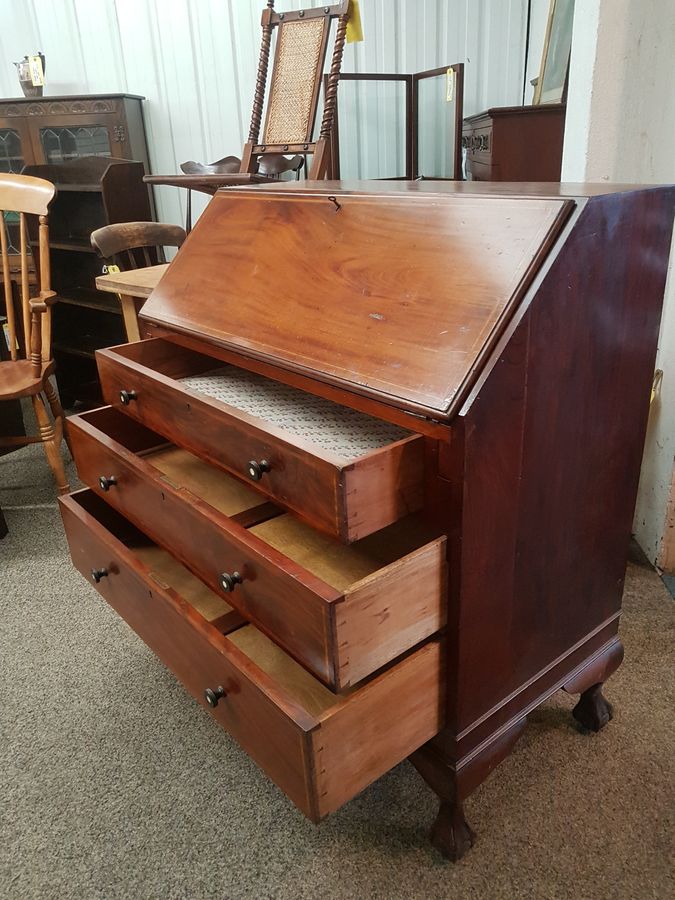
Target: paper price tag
354	26
37	75
449	85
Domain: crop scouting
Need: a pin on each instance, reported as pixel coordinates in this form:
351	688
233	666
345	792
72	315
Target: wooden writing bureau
366	487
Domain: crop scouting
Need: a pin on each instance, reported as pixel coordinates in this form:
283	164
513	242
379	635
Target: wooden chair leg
51	438
57	410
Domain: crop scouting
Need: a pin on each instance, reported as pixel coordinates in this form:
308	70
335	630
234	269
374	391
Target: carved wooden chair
292	101
131	245
27	372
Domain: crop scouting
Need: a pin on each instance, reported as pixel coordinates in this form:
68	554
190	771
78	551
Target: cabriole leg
451	835
593	711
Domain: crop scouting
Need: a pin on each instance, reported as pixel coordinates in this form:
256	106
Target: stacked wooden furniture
91	192
371	499
515	143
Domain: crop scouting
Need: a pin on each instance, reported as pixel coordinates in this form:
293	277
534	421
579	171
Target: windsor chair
300	52
133	245
27	372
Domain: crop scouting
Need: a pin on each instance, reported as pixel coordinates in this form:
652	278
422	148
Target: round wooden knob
212	697
106	482
256	469
127	396
97	574
229	582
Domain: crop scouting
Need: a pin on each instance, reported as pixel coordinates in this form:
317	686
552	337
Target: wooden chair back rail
34	337
129	242
133	245
26	373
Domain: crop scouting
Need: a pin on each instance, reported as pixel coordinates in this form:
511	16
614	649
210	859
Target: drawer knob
127	396
105	483
97	574
256	469
212	697
229	582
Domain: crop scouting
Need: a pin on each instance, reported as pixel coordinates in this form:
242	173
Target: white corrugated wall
195	60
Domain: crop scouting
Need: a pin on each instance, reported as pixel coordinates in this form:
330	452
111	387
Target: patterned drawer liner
337	429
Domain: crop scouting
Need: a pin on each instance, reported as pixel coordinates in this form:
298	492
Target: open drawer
343	611
319	748
344	472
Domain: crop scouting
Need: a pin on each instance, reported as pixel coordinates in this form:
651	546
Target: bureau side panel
554	524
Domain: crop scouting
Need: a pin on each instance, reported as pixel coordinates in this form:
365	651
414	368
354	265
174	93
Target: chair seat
17	379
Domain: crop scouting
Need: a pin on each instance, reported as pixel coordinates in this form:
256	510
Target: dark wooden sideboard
371	499
515	143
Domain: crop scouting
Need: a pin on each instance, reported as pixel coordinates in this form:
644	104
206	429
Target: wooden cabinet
371	498
57	132
53	130
514	143
91	192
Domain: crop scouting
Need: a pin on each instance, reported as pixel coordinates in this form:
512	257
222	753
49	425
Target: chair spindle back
26	196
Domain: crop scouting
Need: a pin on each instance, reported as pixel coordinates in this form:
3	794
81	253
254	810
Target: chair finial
270	4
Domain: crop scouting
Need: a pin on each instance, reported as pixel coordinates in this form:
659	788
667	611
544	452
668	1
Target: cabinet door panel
58	138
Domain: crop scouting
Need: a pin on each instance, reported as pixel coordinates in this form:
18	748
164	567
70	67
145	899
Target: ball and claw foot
452	836
593	711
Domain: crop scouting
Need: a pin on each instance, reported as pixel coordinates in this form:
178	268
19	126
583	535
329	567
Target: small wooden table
133	287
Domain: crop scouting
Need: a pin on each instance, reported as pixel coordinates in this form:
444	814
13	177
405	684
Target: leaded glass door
61	143
12	162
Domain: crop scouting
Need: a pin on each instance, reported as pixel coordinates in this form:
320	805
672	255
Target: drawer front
478	145
289	605
197	654
341	636
320	758
346	499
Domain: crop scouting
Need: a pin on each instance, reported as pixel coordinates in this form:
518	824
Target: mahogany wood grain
341	611
348	499
402	307
549	478
293	727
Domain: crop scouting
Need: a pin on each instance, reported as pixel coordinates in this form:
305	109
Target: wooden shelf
74	246
87	188
89	299
73	351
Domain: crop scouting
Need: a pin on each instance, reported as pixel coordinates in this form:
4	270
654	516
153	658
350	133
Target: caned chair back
25	199
293	97
134	244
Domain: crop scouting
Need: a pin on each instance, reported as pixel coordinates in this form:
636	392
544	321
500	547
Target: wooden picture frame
551	85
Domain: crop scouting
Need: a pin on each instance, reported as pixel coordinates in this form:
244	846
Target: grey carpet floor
115	783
